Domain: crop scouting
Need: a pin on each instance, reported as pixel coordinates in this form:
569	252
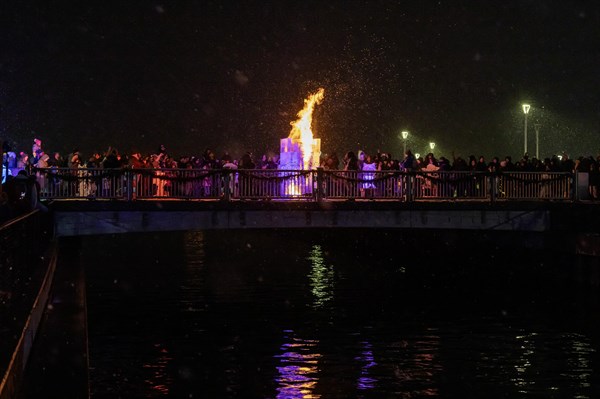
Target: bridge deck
109	217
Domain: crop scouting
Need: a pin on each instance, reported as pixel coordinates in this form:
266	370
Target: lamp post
404	137
537	140
526	108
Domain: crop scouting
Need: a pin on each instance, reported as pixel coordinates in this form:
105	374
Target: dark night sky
233	75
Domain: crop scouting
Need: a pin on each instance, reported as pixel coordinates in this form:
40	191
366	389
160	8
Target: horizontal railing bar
232	184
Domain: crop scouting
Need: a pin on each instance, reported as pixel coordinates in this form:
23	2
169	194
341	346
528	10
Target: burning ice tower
300	150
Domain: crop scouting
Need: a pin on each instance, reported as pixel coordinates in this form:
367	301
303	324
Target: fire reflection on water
417	365
297	374
160	380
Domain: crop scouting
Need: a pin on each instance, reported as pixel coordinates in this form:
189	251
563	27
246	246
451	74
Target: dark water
355	314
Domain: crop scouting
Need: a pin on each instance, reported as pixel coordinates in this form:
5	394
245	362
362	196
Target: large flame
301	128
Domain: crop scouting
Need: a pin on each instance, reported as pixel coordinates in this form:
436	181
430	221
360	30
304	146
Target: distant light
432	145
559	157
526	108
418	155
404	134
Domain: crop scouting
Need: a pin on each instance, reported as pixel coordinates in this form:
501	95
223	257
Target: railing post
320	182
129	185
409	186
492	180
227	185
580	186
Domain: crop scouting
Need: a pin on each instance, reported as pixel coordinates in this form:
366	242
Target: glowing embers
297	376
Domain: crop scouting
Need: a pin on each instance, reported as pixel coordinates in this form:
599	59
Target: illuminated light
404	137
526	108
417	155
432	145
302	131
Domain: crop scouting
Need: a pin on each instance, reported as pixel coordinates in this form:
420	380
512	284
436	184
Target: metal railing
27	262
21	244
310	185
23	241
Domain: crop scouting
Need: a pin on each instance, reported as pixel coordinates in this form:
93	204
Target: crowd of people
17	167
162	159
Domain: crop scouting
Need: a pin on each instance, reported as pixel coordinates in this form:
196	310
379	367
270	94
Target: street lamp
526	108
432	145
537	140
404	137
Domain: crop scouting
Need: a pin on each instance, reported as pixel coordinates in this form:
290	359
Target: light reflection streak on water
160	381
321	278
194	248
365	381
576	351
297	375
191	286
579	350
526	347
416	366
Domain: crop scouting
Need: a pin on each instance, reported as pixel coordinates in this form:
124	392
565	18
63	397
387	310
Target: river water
336	314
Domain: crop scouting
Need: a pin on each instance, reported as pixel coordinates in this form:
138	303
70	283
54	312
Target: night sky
232	75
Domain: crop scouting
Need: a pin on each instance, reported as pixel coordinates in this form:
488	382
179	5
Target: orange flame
301	128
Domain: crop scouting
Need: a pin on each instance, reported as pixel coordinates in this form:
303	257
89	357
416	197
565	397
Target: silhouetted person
22	193
246	162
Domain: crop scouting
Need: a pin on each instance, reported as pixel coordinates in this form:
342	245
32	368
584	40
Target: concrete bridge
99	201
73	218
